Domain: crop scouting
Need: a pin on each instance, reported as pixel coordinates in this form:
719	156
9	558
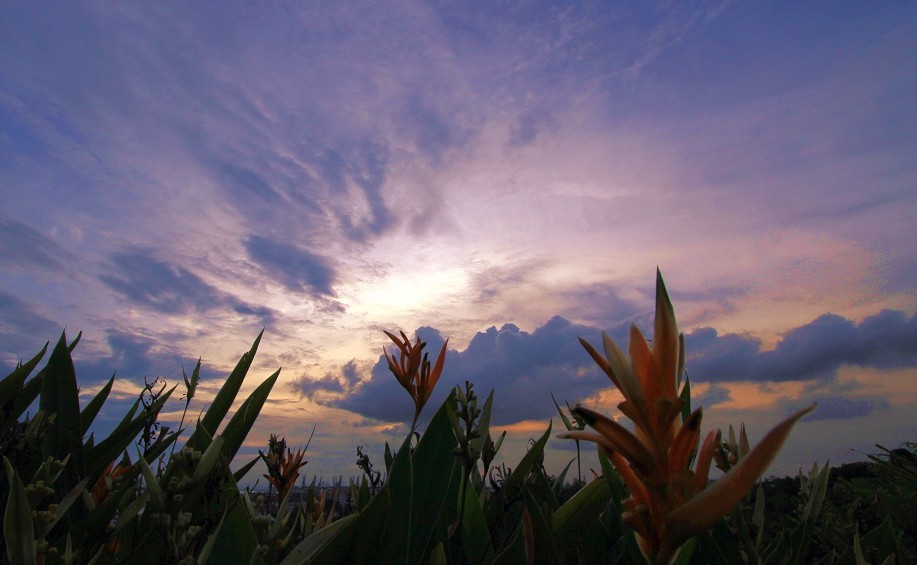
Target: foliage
137	496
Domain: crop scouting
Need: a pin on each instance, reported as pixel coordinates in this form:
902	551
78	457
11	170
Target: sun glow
404	292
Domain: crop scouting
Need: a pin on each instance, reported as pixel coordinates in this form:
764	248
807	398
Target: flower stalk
669	501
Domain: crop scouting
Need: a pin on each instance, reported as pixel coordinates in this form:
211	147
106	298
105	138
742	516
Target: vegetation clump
137	496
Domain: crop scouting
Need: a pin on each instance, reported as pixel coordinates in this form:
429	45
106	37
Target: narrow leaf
17	521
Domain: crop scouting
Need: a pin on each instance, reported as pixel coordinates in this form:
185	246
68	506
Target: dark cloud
23	329
297	269
602	305
433	130
526	368
365	164
835	407
345	378
171	289
135	358
715	394
21	246
232	176
813	351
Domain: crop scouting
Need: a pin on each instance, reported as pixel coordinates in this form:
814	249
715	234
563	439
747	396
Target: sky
176	177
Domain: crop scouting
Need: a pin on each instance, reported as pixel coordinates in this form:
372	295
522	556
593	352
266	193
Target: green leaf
107	450
475	532
222	402
433	466
514	552
59	395
244	469
244	418
236	541
64	505
563	417
882	542
545	548
208	459
11	385
17	521
534	454
483	423
321	543
396	536
686	399
577	514
157	498
683	556
88	415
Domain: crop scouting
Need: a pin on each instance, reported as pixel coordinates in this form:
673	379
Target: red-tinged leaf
628	382
704	458
645	368
705	509
619	439
665	339
685	444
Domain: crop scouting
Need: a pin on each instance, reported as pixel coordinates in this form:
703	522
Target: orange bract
282	465
413	369
669	502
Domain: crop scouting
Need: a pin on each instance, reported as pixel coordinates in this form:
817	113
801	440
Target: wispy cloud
21	247
170	289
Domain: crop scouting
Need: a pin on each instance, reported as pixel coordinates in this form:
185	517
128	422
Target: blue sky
174	178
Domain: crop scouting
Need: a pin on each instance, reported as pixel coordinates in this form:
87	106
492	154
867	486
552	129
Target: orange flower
282	466
103	486
413	370
669	502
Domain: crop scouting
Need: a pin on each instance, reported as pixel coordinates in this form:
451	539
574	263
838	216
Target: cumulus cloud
810	352
171	289
526	368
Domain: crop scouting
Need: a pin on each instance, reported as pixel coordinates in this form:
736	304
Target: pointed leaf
222	402
665	339
88	415
705	509
434	468
244	418
59	395
17	521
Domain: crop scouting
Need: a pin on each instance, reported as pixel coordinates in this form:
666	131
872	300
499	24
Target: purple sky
175	177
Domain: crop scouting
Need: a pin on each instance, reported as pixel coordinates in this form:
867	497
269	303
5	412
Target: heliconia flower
413	369
282	465
669	502
103	486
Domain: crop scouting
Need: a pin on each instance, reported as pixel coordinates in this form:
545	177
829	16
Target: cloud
171	289
136	357
295	268
715	394
21	246
812	351
835	407
23	329
526	368
337	382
